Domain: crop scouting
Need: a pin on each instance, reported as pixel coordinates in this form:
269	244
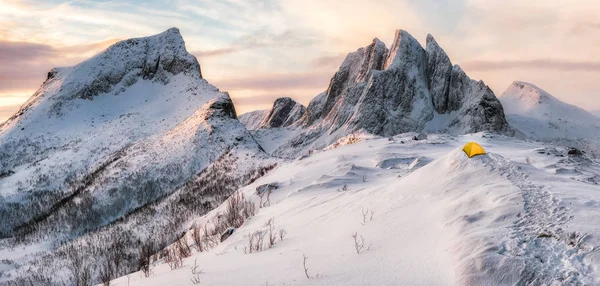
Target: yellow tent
473	149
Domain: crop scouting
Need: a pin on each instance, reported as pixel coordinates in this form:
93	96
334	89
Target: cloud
7	111
262	99
584	27
15	51
543	64
260	39
328	61
25	65
306	80
215	52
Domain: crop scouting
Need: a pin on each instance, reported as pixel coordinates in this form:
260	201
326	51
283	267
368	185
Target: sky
259	50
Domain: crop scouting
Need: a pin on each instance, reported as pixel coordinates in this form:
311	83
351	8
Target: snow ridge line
550	256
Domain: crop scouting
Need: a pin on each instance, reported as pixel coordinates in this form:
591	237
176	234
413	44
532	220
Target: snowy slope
253	119
449	220
542	116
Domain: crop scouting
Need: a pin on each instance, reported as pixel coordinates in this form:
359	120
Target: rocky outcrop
285	112
149	58
346	86
439	71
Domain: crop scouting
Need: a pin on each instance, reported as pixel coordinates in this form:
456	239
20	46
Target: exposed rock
227	233
403	89
575	152
146	58
262	189
285	112
439	70
345	88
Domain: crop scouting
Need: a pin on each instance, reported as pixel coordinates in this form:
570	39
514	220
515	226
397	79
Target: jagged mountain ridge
132	123
401	89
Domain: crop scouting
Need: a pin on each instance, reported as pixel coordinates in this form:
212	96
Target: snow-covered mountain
105	138
285	112
542	116
391	91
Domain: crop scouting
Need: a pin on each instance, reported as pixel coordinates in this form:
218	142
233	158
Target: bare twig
282	234
196	273
304	257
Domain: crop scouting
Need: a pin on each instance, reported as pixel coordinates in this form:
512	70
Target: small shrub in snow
173	259
272	234
367	214
106	273
146	251
197	237
255	242
304	258
359	243
265	193
196	273
282	234
182	248
343	188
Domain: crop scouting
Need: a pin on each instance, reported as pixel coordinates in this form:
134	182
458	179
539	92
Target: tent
473	149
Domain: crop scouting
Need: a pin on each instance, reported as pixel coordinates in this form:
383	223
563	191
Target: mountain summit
118	131
542	116
388	91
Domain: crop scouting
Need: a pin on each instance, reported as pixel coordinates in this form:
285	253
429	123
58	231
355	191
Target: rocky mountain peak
439	70
156	58
285	112
405	50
